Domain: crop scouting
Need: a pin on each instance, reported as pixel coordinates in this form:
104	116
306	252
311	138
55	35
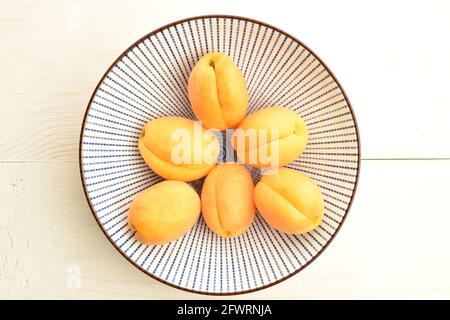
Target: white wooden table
393	59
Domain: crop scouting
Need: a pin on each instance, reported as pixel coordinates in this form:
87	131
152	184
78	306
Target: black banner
228	309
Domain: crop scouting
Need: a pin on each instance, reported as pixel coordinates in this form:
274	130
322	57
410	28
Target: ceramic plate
149	80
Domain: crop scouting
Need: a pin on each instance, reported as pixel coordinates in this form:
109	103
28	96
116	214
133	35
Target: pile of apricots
288	200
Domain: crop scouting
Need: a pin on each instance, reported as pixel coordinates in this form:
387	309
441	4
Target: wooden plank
393	244
395	71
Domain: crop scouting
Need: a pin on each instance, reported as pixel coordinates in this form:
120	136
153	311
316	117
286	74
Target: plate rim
222	16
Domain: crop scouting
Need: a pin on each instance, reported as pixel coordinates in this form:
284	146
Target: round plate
149	80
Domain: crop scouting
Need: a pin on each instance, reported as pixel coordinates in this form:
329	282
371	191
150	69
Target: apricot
177	148
218	92
289	201
164	212
270	137
227	199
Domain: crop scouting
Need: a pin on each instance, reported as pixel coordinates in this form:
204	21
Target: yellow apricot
164	212
270	137
177	148
227	199
289	201
217	92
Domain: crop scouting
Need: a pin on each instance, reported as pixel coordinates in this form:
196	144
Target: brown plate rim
267	26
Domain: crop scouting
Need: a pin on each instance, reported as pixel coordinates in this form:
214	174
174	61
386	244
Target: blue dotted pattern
150	81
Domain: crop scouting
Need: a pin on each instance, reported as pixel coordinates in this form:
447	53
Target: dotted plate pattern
149	81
